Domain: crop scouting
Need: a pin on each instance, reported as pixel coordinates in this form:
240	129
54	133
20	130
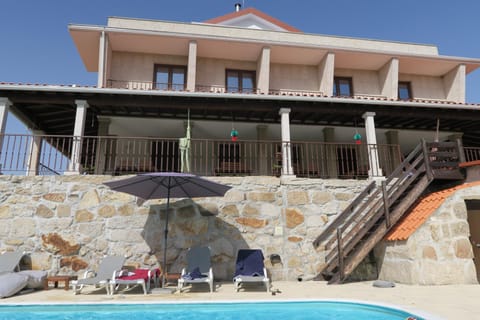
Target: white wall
364	82
211	72
296	77
139	67
425	87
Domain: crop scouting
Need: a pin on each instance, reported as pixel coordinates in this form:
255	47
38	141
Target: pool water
317	310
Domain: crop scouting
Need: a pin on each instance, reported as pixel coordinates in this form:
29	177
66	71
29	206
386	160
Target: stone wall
439	252
68	223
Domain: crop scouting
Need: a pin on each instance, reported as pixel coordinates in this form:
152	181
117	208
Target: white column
192	66
287	169
101	60
34	153
263	71
80	117
326	70
5	104
375	171
388	78
454	84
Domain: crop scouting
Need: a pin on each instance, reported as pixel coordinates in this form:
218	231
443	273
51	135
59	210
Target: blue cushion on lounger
11	283
249	263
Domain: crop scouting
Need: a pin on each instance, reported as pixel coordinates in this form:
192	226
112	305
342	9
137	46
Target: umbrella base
163	290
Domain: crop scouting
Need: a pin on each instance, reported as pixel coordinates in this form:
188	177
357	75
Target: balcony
48	155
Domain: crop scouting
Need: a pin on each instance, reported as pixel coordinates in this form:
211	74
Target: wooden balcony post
386	209
341	267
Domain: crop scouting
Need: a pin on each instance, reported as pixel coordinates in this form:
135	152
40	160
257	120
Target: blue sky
36	46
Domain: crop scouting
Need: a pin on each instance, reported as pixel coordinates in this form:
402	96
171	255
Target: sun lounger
250	268
142	277
198	270
10	261
107	270
11	283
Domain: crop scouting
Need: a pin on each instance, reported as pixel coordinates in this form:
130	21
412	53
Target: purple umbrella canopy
166	185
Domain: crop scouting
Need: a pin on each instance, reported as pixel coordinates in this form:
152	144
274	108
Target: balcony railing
471	153
39	155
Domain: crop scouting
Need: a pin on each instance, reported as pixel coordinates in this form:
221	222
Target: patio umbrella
166	185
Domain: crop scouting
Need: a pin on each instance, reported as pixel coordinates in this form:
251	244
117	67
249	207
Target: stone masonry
439	252
66	224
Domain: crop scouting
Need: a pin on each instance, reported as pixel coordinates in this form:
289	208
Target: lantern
358	138
234	135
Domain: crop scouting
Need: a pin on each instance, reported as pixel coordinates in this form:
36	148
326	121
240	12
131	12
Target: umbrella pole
165	238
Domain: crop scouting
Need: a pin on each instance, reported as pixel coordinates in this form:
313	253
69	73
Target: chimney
238	6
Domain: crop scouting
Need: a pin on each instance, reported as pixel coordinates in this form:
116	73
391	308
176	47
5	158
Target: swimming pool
317	310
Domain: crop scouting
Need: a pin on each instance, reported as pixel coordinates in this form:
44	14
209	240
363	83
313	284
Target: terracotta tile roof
255	12
424	208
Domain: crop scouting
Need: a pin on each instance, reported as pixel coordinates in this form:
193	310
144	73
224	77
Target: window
240	81
342	87
169	77
404	91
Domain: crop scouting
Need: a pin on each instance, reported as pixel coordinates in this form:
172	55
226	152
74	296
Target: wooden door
473	207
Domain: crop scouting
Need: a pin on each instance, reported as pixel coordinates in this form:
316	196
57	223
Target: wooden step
443	174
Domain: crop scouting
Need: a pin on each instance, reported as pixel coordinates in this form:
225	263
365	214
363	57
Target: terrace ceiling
53	111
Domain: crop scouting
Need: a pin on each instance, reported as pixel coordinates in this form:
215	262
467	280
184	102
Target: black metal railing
39	154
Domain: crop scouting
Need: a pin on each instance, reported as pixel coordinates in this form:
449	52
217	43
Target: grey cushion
36	278
11	283
383	284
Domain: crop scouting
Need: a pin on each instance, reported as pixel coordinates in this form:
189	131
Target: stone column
263	71
374	171
264	157
330	154
326	70
80	117
101	150
287	169
192	66
34	153
5	104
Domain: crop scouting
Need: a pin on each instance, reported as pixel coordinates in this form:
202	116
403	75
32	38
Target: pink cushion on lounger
137	274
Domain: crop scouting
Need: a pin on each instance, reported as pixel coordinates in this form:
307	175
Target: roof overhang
307	50
51	109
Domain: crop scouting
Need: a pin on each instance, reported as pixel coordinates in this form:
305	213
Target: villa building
245	95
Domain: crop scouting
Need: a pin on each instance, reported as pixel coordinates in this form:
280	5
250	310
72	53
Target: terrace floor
432	302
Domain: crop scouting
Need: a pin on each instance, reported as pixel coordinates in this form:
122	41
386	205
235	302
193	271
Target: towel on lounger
195	274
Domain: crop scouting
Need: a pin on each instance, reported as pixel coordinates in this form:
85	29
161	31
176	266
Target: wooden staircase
364	223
